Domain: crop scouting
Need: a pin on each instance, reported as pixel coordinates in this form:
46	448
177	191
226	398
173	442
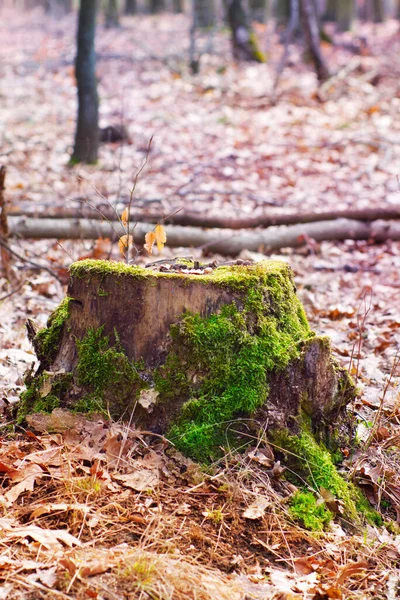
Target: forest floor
77	521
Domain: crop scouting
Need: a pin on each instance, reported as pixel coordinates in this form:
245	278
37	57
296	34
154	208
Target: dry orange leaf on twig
157	236
124	243
125	216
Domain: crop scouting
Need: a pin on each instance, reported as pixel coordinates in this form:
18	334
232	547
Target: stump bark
206	356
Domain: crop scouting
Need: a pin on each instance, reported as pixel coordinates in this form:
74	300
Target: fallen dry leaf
49	538
350	570
257	508
140	481
26	478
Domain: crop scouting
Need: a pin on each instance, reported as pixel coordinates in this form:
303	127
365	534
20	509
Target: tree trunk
378	11
257	10
330	10
311	32
156	6
204	13
198	357
87	130
282	11
57	7
112	15
345	14
130	7
244	43
178	6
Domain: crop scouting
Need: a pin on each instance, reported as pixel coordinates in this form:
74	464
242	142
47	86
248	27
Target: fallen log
223	241
201	220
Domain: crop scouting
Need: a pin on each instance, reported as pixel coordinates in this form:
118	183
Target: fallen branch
201	220
223	241
4	253
28	261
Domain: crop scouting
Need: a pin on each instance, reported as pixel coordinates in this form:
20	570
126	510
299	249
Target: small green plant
215	515
142	574
312	463
89	485
305	508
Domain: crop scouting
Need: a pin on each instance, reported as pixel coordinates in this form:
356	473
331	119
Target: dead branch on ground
197	219
223	241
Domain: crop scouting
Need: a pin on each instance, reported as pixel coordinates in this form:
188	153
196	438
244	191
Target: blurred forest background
248	129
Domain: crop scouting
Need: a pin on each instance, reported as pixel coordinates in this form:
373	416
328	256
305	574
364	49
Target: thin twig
131	193
31	262
12	291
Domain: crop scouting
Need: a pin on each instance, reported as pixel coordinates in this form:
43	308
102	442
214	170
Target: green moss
46	404
111	383
304	507
221	362
111	379
312	463
89	404
47	340
236	277
258	55
43	393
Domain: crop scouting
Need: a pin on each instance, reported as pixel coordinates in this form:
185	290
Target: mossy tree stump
198	356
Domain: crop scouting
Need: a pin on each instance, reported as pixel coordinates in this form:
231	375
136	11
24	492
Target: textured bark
311	32
87	130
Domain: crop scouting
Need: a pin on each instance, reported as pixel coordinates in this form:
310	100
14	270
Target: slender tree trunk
330	10
345	14
130	7
204	13
244	43
378	8
87	130
178	6
257	10
282	10
112	16
311	32
156	6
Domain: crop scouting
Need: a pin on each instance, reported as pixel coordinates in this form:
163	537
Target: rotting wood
210	221
223	241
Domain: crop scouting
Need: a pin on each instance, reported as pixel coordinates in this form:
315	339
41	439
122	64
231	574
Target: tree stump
207	356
